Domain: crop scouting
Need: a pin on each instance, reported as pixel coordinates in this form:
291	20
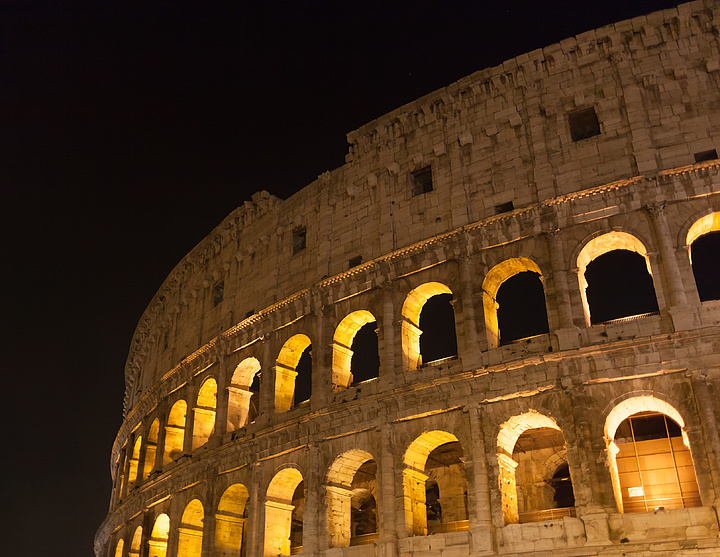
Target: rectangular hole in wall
583	124
421	181
218	292
702	156
504	207
299	239
354	261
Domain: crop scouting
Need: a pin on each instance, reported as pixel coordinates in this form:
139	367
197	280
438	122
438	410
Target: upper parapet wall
628	40
499	138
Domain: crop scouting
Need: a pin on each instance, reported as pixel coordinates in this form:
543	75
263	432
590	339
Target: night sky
128	132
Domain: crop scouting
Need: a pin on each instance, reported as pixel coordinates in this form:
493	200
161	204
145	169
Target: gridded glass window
654	465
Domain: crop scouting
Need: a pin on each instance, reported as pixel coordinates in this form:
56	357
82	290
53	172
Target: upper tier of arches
436	324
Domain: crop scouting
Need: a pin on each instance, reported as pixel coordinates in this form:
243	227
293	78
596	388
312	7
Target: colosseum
495	330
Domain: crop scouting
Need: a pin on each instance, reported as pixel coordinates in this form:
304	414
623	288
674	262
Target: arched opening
604	264
650	458
230	521
428	325
534	477
514	301
244	394
606	300
293	373
204	423
351	505
521	307
136	543
703	238
190	531
435	485
542	477
119	548
355	350
151	449
283	513
134	461
157	544
175	432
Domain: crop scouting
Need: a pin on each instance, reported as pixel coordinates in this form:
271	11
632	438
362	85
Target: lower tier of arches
594	464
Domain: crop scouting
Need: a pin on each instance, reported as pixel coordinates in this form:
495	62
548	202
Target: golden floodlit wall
336	374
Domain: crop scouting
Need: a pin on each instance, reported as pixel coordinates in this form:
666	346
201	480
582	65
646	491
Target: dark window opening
539	497
250	313
432	503
446	489
296	521
504	208
299	237
561	483
363	507
303	380
705	254
583	124
254	408
355	261
522	312
218	292
619	285
421	181
703	156
437	323
365	363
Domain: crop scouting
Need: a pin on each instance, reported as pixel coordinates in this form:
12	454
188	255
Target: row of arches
651	467
510	289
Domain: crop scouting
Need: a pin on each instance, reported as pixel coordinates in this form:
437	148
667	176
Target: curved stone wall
538	168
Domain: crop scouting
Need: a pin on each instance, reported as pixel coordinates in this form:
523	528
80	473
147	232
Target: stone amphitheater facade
537	168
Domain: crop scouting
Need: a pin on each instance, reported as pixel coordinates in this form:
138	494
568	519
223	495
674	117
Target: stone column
190	420
387	531
254	526
387	357
239	398
481	527
208	541
508	488
709	424
339	512
312	515
471	356
568	333
267	381
321	360
683	317
221	402
413	486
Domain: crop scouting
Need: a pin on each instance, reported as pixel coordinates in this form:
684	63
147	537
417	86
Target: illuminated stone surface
452	457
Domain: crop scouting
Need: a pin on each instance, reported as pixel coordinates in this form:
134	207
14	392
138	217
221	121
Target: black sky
128	131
